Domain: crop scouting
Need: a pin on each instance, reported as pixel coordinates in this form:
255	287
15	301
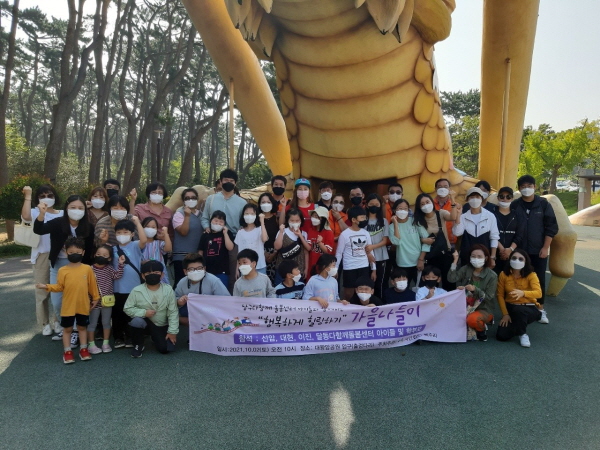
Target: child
124	230
323	287
430	278
152	306
253	235
215	247
291	287
319	236
399	292
251	283
378	228
105	275
77	282
363	294
292	243
196	281
155	249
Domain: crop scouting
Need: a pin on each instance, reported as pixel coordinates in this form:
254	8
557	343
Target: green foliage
460	104
11	195
258	174
465	144
10	249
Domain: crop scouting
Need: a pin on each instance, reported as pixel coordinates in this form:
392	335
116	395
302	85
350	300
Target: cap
321	212
474	190
302	182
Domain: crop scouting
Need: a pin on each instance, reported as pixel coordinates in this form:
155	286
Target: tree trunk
553	177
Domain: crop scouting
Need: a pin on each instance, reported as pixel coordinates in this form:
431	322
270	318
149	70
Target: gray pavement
448	396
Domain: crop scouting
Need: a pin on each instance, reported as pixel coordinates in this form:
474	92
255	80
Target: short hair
99	189
485	184
364	281
431	270
185	191
192	258
293	212
76	242
395	184
325	260
325	185
440	180
47	189
525	179
356	186
527	268
256	213
398	272
271	199
486	254
217	182
154	186
151	265
280	178
125	224
218	214
118	200
149	219
248	253
399	202
356	211
111	181
506	189
287	266
228	173
108	248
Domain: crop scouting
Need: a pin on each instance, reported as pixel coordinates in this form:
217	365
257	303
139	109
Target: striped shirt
105	277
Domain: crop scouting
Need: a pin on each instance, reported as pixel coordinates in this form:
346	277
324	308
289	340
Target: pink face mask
302	195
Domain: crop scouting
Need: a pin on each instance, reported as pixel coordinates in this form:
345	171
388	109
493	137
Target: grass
569	201
10	249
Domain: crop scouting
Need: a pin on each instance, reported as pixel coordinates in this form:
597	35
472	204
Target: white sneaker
524	339
47	330
544	318
57	328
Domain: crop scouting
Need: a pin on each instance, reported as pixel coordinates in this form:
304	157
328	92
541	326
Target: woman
518	291
96	204
511	227
156	192
378	228
337	217
267	203
479	282
407	236
104	232
187	226
301	201
435	223
39	255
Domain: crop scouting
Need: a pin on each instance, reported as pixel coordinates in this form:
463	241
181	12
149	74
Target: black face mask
228	187
112	192
152	279
430	284
278	190
101	260
75	257
373	209
363	223
356	200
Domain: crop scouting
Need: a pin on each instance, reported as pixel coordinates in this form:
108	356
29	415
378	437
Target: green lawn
569	201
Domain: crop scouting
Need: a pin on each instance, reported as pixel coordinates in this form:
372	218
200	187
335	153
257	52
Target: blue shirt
294	292
130	278
326	288
424	292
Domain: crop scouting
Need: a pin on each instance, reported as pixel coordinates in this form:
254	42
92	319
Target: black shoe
119	343
128	343
136	351
482	336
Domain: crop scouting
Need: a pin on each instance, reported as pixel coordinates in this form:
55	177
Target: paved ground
434	396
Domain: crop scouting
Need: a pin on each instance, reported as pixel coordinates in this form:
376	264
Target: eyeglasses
503	197
395	192
517	259
190	198
196	269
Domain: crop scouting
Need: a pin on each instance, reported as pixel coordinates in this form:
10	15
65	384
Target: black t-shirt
320	203
216	255
272	227
390	295
356	301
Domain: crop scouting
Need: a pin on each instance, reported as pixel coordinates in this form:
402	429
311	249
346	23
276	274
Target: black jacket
59	231
540	222
515	229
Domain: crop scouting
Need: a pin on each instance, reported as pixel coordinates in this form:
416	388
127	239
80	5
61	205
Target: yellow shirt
78	284
529	285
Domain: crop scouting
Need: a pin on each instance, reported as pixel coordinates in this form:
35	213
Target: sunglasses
517	259
395	192
503	197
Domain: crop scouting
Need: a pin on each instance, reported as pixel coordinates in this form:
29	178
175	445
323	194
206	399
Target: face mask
111	192
152	279
278	190
504	204
363	296
75	257
316	222
516	264
443	192
296	278
430	284
249	218
401	285
477	262
216	228
123	238
150	232
356	200
333	272
373	209
526	192
101	260
118	214
302	195
402	214
326	196
228	187
475	202
485	195
48	201
245	269
266	207
394	197
156	198
337	207
191	203
75	214
196	275
294	225
427	208
98	203
363	223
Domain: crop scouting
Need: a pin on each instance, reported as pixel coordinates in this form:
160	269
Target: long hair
378	214
418	215
84	226
527	268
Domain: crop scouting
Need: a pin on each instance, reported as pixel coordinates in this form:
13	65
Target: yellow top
530	285
78	284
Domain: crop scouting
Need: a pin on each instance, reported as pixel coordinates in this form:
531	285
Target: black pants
539	267
411	274
443	262
119	318
381	282
520	317
177	272
138	328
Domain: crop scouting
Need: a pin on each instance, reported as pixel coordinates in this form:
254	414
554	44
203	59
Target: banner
237	326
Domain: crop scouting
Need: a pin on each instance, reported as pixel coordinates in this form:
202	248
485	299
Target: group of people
108	265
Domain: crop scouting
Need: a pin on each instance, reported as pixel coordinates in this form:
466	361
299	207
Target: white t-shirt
351	249
44	245
252	240
63	253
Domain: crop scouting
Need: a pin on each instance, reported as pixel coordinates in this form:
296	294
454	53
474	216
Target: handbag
439	247
107	300
24	235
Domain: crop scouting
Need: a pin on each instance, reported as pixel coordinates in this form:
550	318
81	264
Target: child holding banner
252	283
291	287
363	294
431	278
323	287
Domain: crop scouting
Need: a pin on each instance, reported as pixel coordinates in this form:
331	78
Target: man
395	192
113	187
485	187
443	201
325	194
357	198
541	227
278	183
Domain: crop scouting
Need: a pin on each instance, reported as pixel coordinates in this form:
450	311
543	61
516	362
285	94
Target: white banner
237	326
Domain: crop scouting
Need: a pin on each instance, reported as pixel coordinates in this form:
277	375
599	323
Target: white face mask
249	218
485	195
266	207
156	198
526	192
191	203
504	204
123	238
337	207
316	222
363	296
326	195
48	201
427	208
215	227
333	272
302	195
401	285
150	232
394	197
477	262
245	269
196	275
98	203
443	192
294	225
297	277
402	214
516	264
118	214
75	214
475	202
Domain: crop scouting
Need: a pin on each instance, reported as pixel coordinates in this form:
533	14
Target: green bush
8	250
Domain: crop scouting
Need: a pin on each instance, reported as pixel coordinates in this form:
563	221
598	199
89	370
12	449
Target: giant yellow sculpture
358	85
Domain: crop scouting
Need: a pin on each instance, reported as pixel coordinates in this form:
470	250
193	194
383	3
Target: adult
113	187
104	232
96	205
511	227
540	229
187	228
486	190
479	282
442	201
395	192
378	228
301	201
477	226
278	183
357	198
337	217
155	193
320	238
325	194
39	255
268	206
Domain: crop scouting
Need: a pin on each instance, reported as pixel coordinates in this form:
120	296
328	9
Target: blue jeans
56	297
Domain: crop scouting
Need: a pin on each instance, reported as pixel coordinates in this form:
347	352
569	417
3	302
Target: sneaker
544	318
68	357
47	330
136	351
128	343
94	350
84	355
57	337
57	328
524	339
481	336
74	339
106	348
119	343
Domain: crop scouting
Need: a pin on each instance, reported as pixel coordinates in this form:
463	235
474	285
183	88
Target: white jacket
487	222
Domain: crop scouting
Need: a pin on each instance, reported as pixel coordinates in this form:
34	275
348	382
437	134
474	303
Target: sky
565	80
